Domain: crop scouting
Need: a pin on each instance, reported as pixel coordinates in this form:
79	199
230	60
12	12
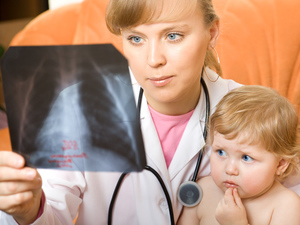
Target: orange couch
259	41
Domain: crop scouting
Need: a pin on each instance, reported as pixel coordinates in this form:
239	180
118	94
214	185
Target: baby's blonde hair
263	117
122	14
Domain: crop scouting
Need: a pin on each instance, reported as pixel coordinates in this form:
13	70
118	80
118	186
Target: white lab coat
141	200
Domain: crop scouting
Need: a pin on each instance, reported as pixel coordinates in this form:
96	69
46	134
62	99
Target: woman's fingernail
30	173
18	162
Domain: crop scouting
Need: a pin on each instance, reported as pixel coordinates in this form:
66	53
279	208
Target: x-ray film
72	107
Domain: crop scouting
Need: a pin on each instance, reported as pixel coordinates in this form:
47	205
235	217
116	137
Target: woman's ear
282	166
214	32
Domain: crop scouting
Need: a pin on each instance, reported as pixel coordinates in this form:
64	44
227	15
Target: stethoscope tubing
162	184
197	167
119	183
207	104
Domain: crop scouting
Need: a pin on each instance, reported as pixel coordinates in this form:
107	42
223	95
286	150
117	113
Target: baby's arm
231	210
189	216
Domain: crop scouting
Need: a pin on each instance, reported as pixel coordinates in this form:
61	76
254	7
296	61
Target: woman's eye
247	158
221	152
174	36
135	40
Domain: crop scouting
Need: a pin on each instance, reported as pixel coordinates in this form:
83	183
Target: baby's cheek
217	176
252	185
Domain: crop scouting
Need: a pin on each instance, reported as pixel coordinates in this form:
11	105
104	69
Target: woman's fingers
11	159
20	188
11	203
14	187
14	194
10	174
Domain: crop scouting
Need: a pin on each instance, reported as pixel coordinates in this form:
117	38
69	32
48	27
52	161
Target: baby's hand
230	210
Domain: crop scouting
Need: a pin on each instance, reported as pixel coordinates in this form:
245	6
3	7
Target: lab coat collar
192	139
154	153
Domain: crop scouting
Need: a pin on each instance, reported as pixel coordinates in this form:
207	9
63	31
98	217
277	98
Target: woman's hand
230	210
20	188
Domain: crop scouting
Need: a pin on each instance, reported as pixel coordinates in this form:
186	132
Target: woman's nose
156	55
231	168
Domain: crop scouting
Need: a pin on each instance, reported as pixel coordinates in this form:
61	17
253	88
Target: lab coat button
163	204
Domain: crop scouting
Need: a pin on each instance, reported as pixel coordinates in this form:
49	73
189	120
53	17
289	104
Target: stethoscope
189	193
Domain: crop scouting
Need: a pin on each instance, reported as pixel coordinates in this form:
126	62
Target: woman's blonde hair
121	14
263	117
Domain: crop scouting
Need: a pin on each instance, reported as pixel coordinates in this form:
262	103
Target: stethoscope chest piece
189	194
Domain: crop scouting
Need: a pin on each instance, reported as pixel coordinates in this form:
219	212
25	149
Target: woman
168	44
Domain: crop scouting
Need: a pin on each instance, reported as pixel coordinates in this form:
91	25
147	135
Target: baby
253	135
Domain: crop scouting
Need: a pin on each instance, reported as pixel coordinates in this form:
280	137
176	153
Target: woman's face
167	58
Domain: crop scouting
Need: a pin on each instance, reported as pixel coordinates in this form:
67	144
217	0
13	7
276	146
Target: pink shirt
170	130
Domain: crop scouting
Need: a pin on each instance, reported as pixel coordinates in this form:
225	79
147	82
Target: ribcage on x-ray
74	104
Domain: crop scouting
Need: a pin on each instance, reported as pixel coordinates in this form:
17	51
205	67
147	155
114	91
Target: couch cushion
5	140
260	44
259	41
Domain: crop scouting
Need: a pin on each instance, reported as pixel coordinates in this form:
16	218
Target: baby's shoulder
287	207
205	181
207	184
287	197
280	192
211	196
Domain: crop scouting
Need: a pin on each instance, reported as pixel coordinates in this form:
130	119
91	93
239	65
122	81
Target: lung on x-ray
72	107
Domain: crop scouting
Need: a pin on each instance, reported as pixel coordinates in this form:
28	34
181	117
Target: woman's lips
161	81
230	184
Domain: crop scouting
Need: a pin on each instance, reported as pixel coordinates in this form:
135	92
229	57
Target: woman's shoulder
213	80
218	87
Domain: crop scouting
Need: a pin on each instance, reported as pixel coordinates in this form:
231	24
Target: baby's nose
232	168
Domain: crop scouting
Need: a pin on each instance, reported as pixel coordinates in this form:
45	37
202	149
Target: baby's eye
174	36
221	152
247	158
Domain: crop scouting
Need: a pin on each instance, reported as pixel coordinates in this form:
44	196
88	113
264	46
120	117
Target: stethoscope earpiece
189	194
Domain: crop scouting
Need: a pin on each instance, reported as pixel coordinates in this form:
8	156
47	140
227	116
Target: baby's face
249	168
